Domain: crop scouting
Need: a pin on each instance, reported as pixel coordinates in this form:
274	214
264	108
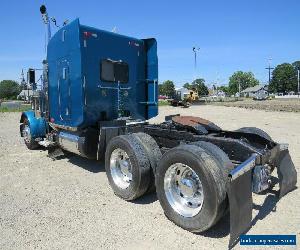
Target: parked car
162	97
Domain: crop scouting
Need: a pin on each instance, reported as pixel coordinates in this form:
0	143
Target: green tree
296	65
9	89
244	79
160	89
284	78
187	85
167	88
225	89
199	85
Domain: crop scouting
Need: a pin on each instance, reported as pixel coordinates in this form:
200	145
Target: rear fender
37	125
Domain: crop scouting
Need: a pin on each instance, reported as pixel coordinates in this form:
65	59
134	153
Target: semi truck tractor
99	89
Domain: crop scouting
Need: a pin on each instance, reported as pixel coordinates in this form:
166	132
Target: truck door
64	90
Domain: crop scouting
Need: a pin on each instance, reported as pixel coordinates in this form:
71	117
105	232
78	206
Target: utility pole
195	50
298	76
269	69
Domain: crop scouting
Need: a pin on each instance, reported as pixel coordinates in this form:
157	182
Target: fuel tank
83	144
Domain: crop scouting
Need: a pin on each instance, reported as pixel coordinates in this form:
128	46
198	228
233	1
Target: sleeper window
114	71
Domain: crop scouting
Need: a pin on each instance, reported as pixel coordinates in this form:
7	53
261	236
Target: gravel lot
68	203
286	105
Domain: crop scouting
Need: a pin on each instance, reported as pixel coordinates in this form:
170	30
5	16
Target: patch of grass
22	108
163	103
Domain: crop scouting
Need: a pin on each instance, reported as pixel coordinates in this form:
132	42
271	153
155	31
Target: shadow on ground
266	208
146	199
93	166
222	228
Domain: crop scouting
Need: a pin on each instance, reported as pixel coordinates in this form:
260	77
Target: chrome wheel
26	133
120	168
183	190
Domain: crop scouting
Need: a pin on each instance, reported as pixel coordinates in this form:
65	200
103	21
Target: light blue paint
37	125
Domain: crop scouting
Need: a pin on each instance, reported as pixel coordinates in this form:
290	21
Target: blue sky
232	35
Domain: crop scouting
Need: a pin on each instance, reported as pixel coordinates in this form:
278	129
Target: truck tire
220	156
154	155
257	131
29	141
223	161
127	167
191	187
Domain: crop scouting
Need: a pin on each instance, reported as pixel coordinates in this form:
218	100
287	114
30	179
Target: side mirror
43	9
31	76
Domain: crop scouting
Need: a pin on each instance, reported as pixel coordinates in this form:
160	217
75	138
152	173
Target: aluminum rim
120	168
183	190
26	133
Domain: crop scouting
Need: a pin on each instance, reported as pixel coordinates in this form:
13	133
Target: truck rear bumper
240	189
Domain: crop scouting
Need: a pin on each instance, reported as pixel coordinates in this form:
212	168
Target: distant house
254	91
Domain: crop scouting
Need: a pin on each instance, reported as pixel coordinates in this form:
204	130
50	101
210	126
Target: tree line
167	88
244	79
283	80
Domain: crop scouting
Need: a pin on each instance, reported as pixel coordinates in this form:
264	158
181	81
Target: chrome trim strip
62	127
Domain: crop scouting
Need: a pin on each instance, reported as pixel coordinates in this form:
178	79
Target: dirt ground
68	204
287	105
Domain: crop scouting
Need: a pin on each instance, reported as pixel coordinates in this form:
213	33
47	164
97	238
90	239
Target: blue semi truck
99	89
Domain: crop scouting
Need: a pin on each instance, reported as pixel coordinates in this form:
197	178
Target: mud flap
240	202
240	199
240	190
286	172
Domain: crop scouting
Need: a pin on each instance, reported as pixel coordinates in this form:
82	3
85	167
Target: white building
254	91
26	95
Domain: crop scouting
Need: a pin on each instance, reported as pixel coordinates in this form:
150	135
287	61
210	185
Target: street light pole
195	50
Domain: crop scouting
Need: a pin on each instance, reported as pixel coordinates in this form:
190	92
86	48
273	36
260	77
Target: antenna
54	21
114	30
65	22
